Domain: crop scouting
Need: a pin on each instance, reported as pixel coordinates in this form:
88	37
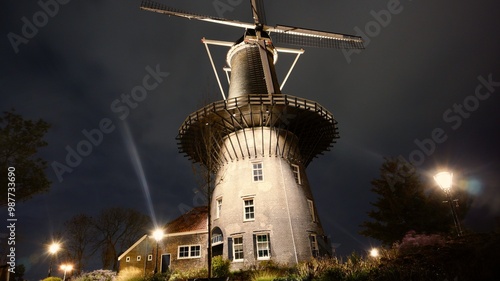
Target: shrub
97	275
52	278
158	277
264	275
412	240
241	275
357	268
220	267
130	274
332	274
314	268
291	277
190	274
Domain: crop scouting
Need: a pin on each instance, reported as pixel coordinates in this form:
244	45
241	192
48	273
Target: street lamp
374	253
157	235
444	180
66	268
53	249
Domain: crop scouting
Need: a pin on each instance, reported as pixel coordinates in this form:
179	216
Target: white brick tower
261	142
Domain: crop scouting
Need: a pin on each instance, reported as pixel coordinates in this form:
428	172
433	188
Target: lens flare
474	187
374	253
136	163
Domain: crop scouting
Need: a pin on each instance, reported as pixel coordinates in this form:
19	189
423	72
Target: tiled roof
195	219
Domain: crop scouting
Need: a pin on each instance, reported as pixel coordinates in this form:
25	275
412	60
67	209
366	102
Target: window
219	207
296	173
257	172
195	251
311	209
191	251
183	252
138	258
314	245
249	209
238	248
263	249
150	257
127	259
216	239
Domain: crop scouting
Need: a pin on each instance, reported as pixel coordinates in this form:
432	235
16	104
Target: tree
117	229
405	204
20	140
18	275
80	234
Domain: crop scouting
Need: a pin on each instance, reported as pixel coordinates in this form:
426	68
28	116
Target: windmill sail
314	38
163	9
259	14
280	33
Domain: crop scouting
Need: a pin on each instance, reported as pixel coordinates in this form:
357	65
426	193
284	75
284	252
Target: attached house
183	247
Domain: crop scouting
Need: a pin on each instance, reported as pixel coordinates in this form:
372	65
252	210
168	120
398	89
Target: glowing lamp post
157	235
66	268
53	249
444	180
374	253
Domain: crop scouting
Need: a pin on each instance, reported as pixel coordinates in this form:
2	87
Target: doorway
165	263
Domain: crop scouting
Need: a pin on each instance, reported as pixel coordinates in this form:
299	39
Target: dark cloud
426	59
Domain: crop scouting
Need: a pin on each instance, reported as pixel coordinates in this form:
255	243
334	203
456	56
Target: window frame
240	251
189	251
314	245
257	172
245	206
267	244
310	204
127	259
139	258
217	239
296	173
218	207
150	257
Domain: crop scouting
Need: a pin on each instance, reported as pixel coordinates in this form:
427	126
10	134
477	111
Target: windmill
259	143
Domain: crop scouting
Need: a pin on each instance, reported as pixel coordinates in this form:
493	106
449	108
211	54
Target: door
165	262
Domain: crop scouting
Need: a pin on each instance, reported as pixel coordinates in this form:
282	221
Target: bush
130	274
220	267
190	274
97	275
332	274
412	240
264	275
158	277
52	278
314	268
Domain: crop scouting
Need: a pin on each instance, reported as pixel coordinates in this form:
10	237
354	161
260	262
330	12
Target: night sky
430	70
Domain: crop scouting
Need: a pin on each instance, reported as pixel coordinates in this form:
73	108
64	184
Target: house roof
194	220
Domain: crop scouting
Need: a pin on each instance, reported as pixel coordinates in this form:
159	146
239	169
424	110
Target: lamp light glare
444	180
66	267
54	248
158	234
374	252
